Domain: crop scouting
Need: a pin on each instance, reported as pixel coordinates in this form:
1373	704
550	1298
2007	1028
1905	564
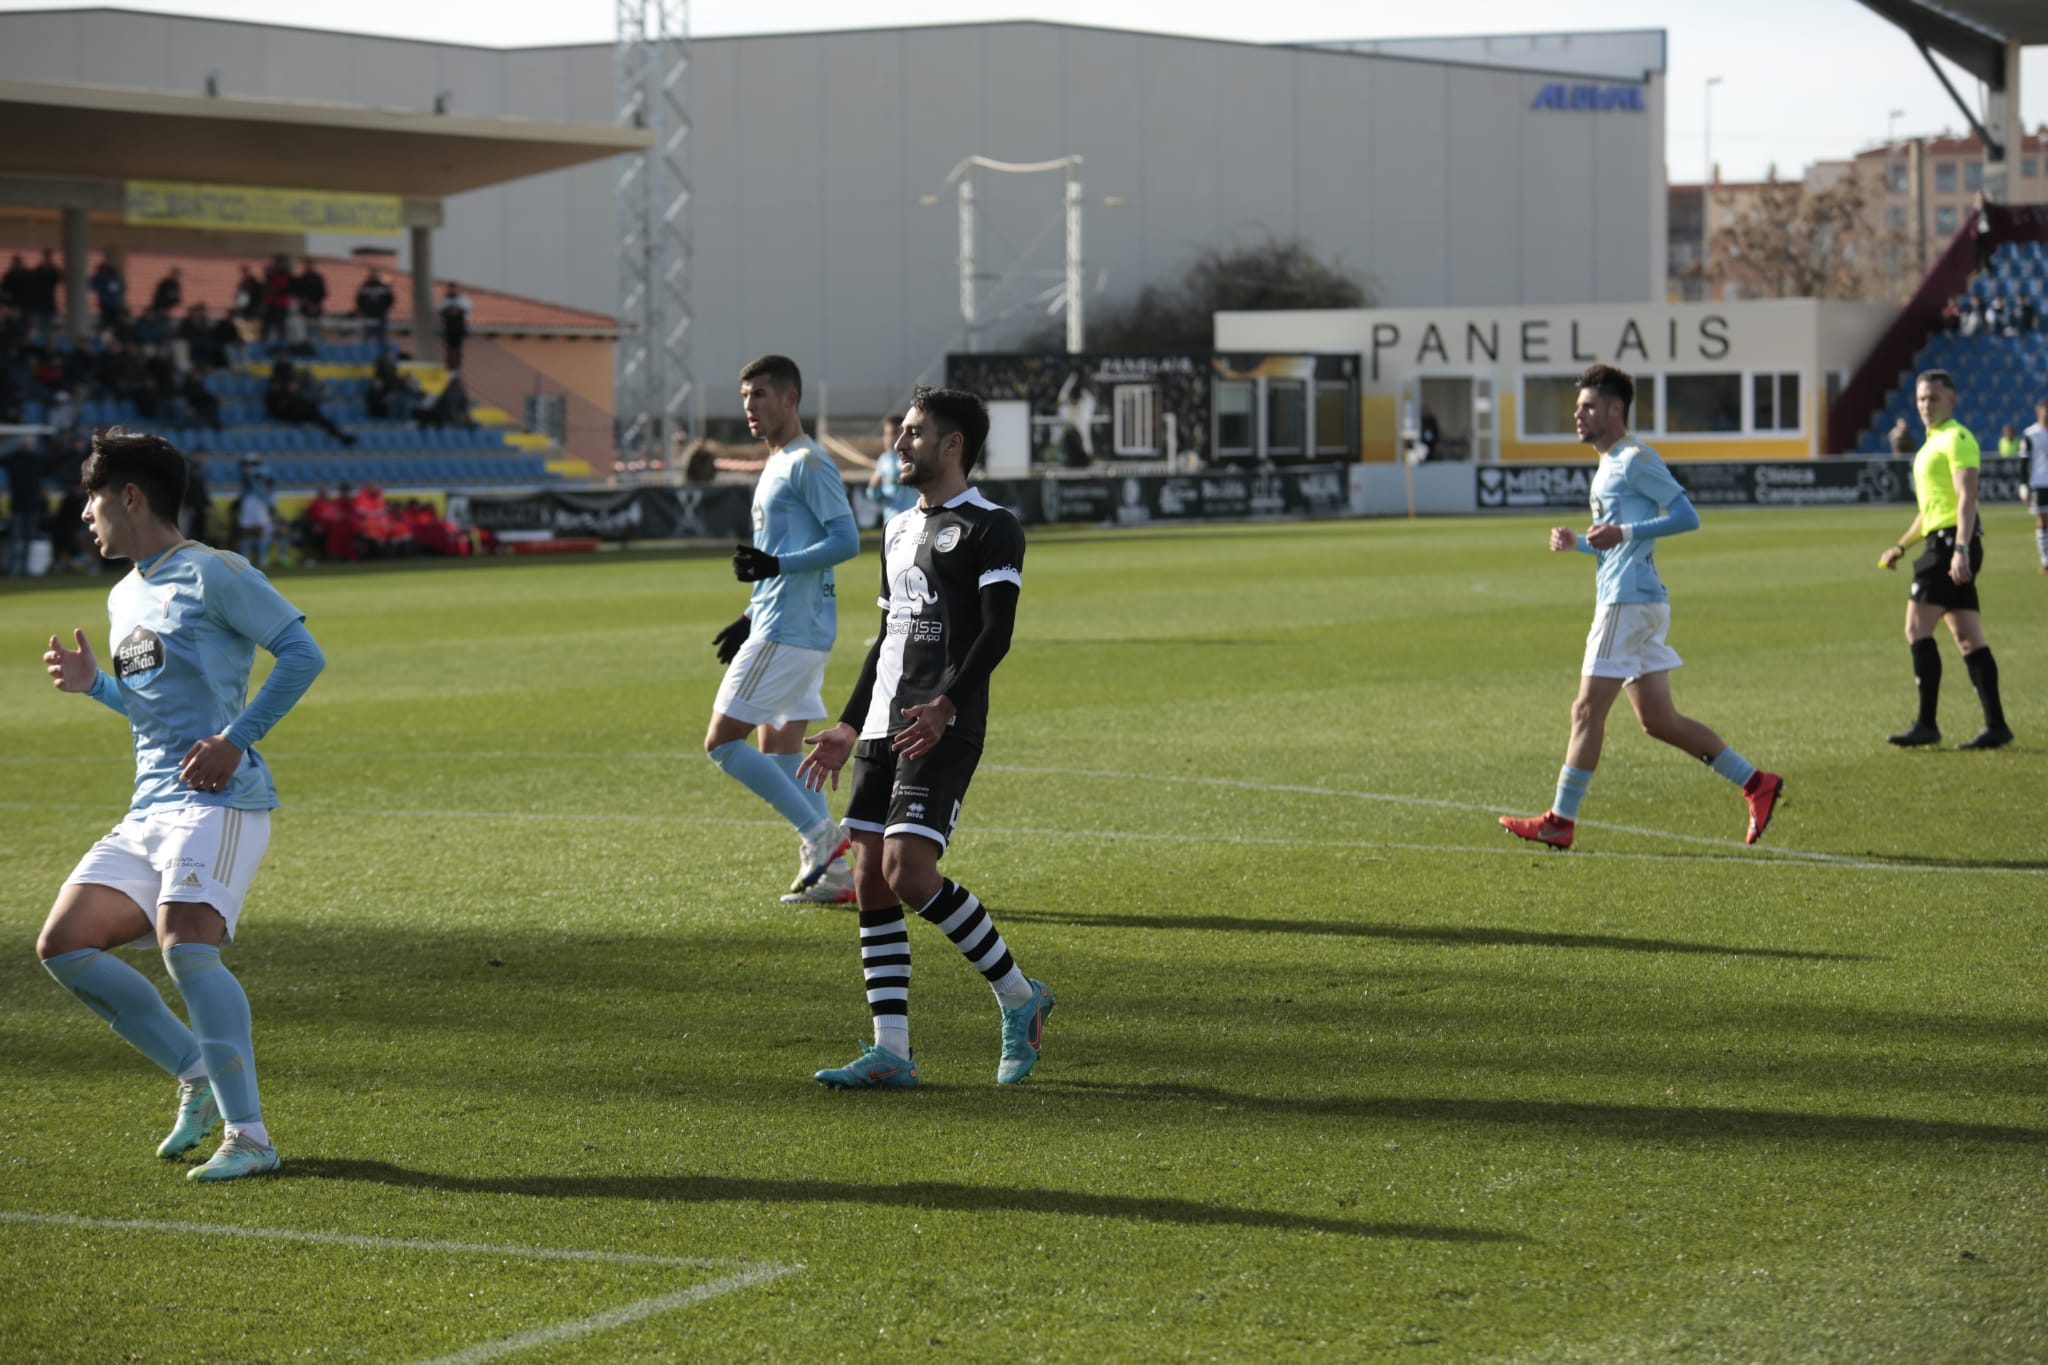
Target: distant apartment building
1918	193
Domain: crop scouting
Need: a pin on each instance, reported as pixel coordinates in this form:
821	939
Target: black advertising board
1761	483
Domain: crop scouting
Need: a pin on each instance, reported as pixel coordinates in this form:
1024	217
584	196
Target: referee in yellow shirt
1945	575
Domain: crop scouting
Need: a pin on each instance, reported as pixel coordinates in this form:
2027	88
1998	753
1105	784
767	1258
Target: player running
775	653
1635	502
952	570
186	623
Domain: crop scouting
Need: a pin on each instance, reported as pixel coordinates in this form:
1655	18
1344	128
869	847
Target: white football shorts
203	854
770	683
1627	641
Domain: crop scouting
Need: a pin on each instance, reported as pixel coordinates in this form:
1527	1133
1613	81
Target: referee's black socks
1984	677
1927	677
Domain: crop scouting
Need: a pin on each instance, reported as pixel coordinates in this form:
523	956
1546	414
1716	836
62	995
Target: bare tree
1272	274
1792	240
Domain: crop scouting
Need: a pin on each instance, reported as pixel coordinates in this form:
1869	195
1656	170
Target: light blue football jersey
799	494
1631	486
184	629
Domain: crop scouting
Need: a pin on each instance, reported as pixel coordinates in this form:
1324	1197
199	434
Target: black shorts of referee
1931	583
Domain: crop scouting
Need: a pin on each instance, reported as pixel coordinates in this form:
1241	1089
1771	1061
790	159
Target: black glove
750	565
728	641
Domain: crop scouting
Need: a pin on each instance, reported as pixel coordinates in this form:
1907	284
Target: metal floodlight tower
962	175
653	384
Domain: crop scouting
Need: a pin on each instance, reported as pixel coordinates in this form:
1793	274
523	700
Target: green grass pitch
1339	1071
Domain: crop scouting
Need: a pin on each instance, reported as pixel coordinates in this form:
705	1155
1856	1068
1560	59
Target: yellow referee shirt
1948	447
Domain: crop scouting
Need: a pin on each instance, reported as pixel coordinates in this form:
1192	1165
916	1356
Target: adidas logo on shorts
191	880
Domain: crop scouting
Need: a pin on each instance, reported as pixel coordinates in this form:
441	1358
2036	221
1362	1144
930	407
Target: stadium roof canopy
98	133
1970	33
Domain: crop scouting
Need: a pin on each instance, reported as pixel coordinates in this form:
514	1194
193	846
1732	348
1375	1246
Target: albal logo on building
1595	97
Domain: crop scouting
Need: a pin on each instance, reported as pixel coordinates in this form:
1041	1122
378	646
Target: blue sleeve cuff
841	543
299	661
107	693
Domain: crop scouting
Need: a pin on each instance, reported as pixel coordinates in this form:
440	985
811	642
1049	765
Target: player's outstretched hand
210	763
829	750
728	641
928	722
72	670
750	565
1562	538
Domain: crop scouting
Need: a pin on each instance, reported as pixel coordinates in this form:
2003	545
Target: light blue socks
819	810
1732	766
1571	789
764	777
124	997
220	1018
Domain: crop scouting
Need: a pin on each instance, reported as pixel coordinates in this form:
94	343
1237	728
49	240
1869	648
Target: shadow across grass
1653	1122
1442	935
925	1194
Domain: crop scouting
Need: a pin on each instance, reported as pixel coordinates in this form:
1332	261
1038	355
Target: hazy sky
1801	80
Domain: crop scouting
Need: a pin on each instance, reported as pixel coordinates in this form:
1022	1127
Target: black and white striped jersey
934	565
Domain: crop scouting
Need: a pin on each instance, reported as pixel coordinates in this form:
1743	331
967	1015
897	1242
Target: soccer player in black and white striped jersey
952	571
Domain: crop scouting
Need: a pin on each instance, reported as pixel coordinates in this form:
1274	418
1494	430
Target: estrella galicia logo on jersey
913	593
140	657
948	538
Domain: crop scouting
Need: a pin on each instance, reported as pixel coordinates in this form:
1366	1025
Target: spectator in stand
109	290
1971	319
26	506
391	392
200	401
1983	237
42	296
227	342
16	286
277	300
169	294
2024	318
373	306
197	511
1951	315
1902	438
1995	316
248	304
203	350
450	407
288	398
454	325
310	289
252	515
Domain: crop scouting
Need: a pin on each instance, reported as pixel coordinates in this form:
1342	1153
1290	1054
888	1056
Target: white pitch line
749	1274
1732	851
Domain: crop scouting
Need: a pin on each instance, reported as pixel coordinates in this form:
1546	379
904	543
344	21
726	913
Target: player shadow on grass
917	1194
1659	1122
1443	935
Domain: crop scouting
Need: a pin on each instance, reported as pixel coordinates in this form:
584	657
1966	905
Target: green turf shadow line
929	1195
1448	936
1652	1122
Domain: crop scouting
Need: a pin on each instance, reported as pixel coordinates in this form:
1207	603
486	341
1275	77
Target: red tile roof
211	280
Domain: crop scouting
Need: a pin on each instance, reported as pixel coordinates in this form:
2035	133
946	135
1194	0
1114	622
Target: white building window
1774	402
1137	421
1236	403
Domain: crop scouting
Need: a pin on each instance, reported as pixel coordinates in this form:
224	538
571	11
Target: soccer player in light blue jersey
186	624
1635	503
775	653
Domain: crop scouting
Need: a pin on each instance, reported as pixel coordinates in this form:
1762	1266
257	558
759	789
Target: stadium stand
2000	373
